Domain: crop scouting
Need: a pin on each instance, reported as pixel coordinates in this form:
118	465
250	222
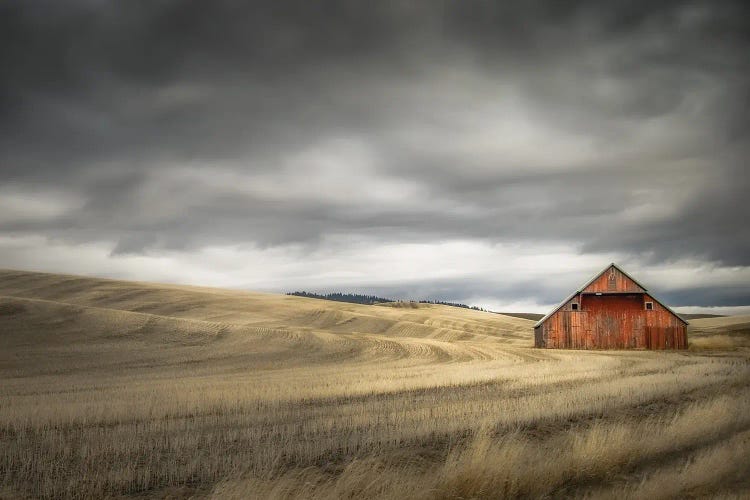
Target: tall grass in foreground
700	447
151	438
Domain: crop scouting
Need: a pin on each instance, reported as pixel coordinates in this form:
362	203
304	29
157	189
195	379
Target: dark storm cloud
709	296
608	126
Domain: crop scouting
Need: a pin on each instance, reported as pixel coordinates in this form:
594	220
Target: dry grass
512	464
115	388
722	333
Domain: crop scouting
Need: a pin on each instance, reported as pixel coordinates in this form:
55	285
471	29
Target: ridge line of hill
104	309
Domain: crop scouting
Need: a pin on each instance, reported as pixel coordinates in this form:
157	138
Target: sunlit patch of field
121	388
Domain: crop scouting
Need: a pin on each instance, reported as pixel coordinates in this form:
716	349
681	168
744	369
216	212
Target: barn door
575	330
655	337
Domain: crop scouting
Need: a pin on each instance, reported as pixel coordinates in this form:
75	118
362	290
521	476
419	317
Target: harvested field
116	388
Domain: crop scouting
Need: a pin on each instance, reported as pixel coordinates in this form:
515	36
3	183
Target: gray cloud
617	127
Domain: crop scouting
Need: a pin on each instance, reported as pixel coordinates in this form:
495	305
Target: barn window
574	306
649	306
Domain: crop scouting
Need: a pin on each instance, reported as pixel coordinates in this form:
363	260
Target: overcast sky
492	153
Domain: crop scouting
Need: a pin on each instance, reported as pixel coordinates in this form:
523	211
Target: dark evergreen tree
353	298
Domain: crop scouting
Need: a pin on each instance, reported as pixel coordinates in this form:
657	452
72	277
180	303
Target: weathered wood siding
663	330
612	314
613	280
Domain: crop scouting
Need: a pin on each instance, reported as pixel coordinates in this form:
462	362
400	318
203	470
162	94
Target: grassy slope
726	332
256	309
113	387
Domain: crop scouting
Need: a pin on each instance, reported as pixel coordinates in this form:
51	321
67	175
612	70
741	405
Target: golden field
112	388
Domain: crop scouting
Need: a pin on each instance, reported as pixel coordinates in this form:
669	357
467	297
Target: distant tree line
452	304
356	298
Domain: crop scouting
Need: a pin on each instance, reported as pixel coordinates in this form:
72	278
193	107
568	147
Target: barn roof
583	287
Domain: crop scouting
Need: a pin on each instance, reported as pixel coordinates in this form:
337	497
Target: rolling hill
722	332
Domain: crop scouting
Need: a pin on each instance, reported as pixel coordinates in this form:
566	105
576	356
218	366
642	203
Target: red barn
611	311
